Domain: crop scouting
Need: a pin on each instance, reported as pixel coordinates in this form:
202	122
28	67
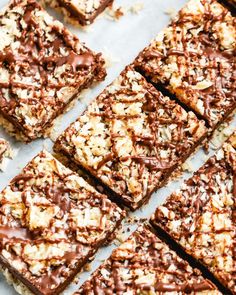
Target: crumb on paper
171	12
120	239
8	155
110	59
76	280
136	8
115	13
134	220
176	174
87	267
187	166
54	132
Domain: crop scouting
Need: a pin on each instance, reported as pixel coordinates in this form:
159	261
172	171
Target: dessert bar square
83	12
42	68
194	58
146	265
51	223
201	216
131	138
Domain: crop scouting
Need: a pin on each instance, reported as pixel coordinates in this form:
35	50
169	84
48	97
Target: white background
121	40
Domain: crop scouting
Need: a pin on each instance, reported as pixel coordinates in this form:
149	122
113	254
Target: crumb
53	132
187	166
114	14
87	267
109	58
136	8
132	219
220	135
171	12
6	156
76	280
120	238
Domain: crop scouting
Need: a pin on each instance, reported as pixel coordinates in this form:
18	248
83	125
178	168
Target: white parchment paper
120	41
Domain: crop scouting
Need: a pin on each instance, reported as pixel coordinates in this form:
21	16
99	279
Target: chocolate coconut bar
146	265
82	12
42	68
131	138
194	58
201	216
51	223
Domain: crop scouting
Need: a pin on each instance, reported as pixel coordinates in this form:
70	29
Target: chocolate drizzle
15	233
152	163
60	197
22	177
84	60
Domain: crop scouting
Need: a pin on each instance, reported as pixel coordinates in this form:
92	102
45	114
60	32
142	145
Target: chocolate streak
15	233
